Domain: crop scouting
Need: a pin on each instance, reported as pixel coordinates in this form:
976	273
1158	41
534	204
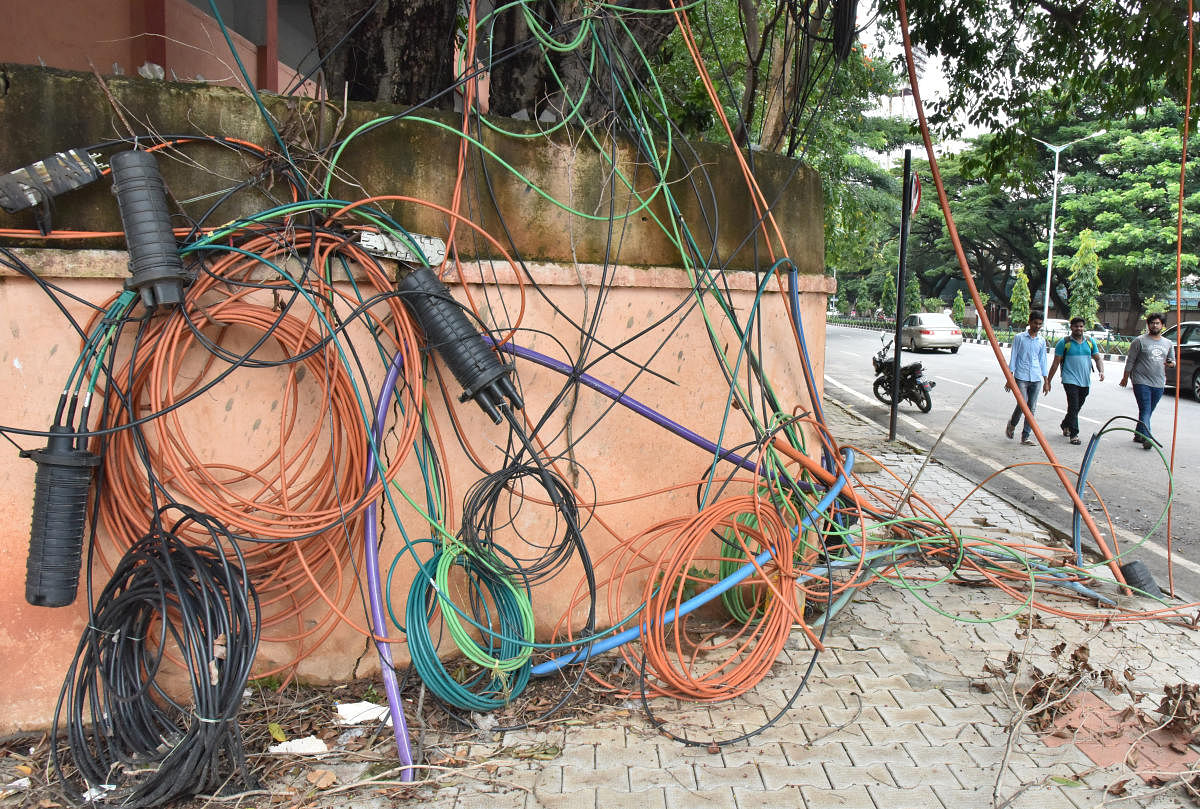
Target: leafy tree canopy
1002	58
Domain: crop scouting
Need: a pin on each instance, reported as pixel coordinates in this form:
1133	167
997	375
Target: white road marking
1128	538
954	381
1040	491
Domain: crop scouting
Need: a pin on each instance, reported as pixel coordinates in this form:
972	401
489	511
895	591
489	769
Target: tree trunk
395	51
402	52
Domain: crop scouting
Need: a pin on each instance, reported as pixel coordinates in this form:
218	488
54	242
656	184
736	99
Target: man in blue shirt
1027	361
1075	353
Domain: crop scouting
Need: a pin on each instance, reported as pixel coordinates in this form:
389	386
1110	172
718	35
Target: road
1131	483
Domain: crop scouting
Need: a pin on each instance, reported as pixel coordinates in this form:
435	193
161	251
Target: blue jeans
1147	399
1029	392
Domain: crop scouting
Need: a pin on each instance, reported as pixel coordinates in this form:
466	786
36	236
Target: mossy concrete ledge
546	198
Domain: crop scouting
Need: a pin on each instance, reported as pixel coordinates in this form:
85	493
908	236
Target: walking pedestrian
1150	355
1075	353
1027	361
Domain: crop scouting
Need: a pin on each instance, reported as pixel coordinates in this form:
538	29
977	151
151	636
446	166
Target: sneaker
1148	444
1009	429
1075	440
1027	442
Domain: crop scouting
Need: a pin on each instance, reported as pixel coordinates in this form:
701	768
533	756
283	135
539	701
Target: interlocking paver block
599	735
960	716
785	798
576	779
778	776
514	799
906	716
923	696
938	735
1046	797
842	776
921	797
639	754
908	735
609	798
835	717
816	753
672	773
855	797
978	798
937	774
711	775
863	754
577	755
679	798
734	755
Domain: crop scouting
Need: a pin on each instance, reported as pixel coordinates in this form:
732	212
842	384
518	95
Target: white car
1055	328
930	330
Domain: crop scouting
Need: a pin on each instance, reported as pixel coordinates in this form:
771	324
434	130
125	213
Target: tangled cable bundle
677	559
255	409
128	726
308	492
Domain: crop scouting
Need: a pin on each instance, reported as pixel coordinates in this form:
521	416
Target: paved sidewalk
899	712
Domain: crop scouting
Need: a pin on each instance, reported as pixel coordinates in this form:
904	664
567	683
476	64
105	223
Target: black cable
129	741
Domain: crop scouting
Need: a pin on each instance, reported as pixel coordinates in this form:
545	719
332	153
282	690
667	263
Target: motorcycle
913	385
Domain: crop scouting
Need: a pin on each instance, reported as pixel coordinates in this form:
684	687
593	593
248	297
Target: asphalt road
1131	484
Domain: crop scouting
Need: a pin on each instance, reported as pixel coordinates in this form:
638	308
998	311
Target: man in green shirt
1075	354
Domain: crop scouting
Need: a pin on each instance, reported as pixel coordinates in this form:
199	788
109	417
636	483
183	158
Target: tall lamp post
1053	212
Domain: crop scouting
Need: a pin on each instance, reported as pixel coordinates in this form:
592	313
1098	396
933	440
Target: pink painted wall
80	34
623	457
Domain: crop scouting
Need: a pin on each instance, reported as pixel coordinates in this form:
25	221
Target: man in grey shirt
1150	355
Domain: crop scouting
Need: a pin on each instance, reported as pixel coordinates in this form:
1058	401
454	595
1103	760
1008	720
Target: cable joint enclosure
38	182
158	274
473	361
64	475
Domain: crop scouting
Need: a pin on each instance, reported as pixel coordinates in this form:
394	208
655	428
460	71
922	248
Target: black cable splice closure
60	494
36	183
473	362
158	273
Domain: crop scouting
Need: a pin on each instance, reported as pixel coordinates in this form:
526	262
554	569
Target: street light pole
1058	150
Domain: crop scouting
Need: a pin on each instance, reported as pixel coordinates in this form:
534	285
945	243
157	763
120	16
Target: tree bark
402	52
395	51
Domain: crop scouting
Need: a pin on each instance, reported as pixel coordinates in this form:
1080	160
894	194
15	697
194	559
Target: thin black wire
123	727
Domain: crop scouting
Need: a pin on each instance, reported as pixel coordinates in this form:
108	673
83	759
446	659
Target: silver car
931	330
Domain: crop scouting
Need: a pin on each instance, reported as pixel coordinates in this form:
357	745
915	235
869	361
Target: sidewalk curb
1053	532
975	341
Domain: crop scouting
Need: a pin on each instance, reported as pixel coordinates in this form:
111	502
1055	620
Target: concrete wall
622	455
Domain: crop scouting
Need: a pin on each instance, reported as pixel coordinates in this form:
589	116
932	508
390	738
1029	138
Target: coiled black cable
131	740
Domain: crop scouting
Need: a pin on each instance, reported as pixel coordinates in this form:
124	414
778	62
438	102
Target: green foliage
1154	306
1085	280
933	305
958	308
912	295
843	304
1002	60
1125	185
1018	309
831	126
887	296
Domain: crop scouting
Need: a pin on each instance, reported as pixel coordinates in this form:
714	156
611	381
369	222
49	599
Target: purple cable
374	588
633	404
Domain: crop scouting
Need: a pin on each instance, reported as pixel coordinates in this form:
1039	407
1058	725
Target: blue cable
700	599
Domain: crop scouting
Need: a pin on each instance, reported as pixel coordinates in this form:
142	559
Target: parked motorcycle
913	385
